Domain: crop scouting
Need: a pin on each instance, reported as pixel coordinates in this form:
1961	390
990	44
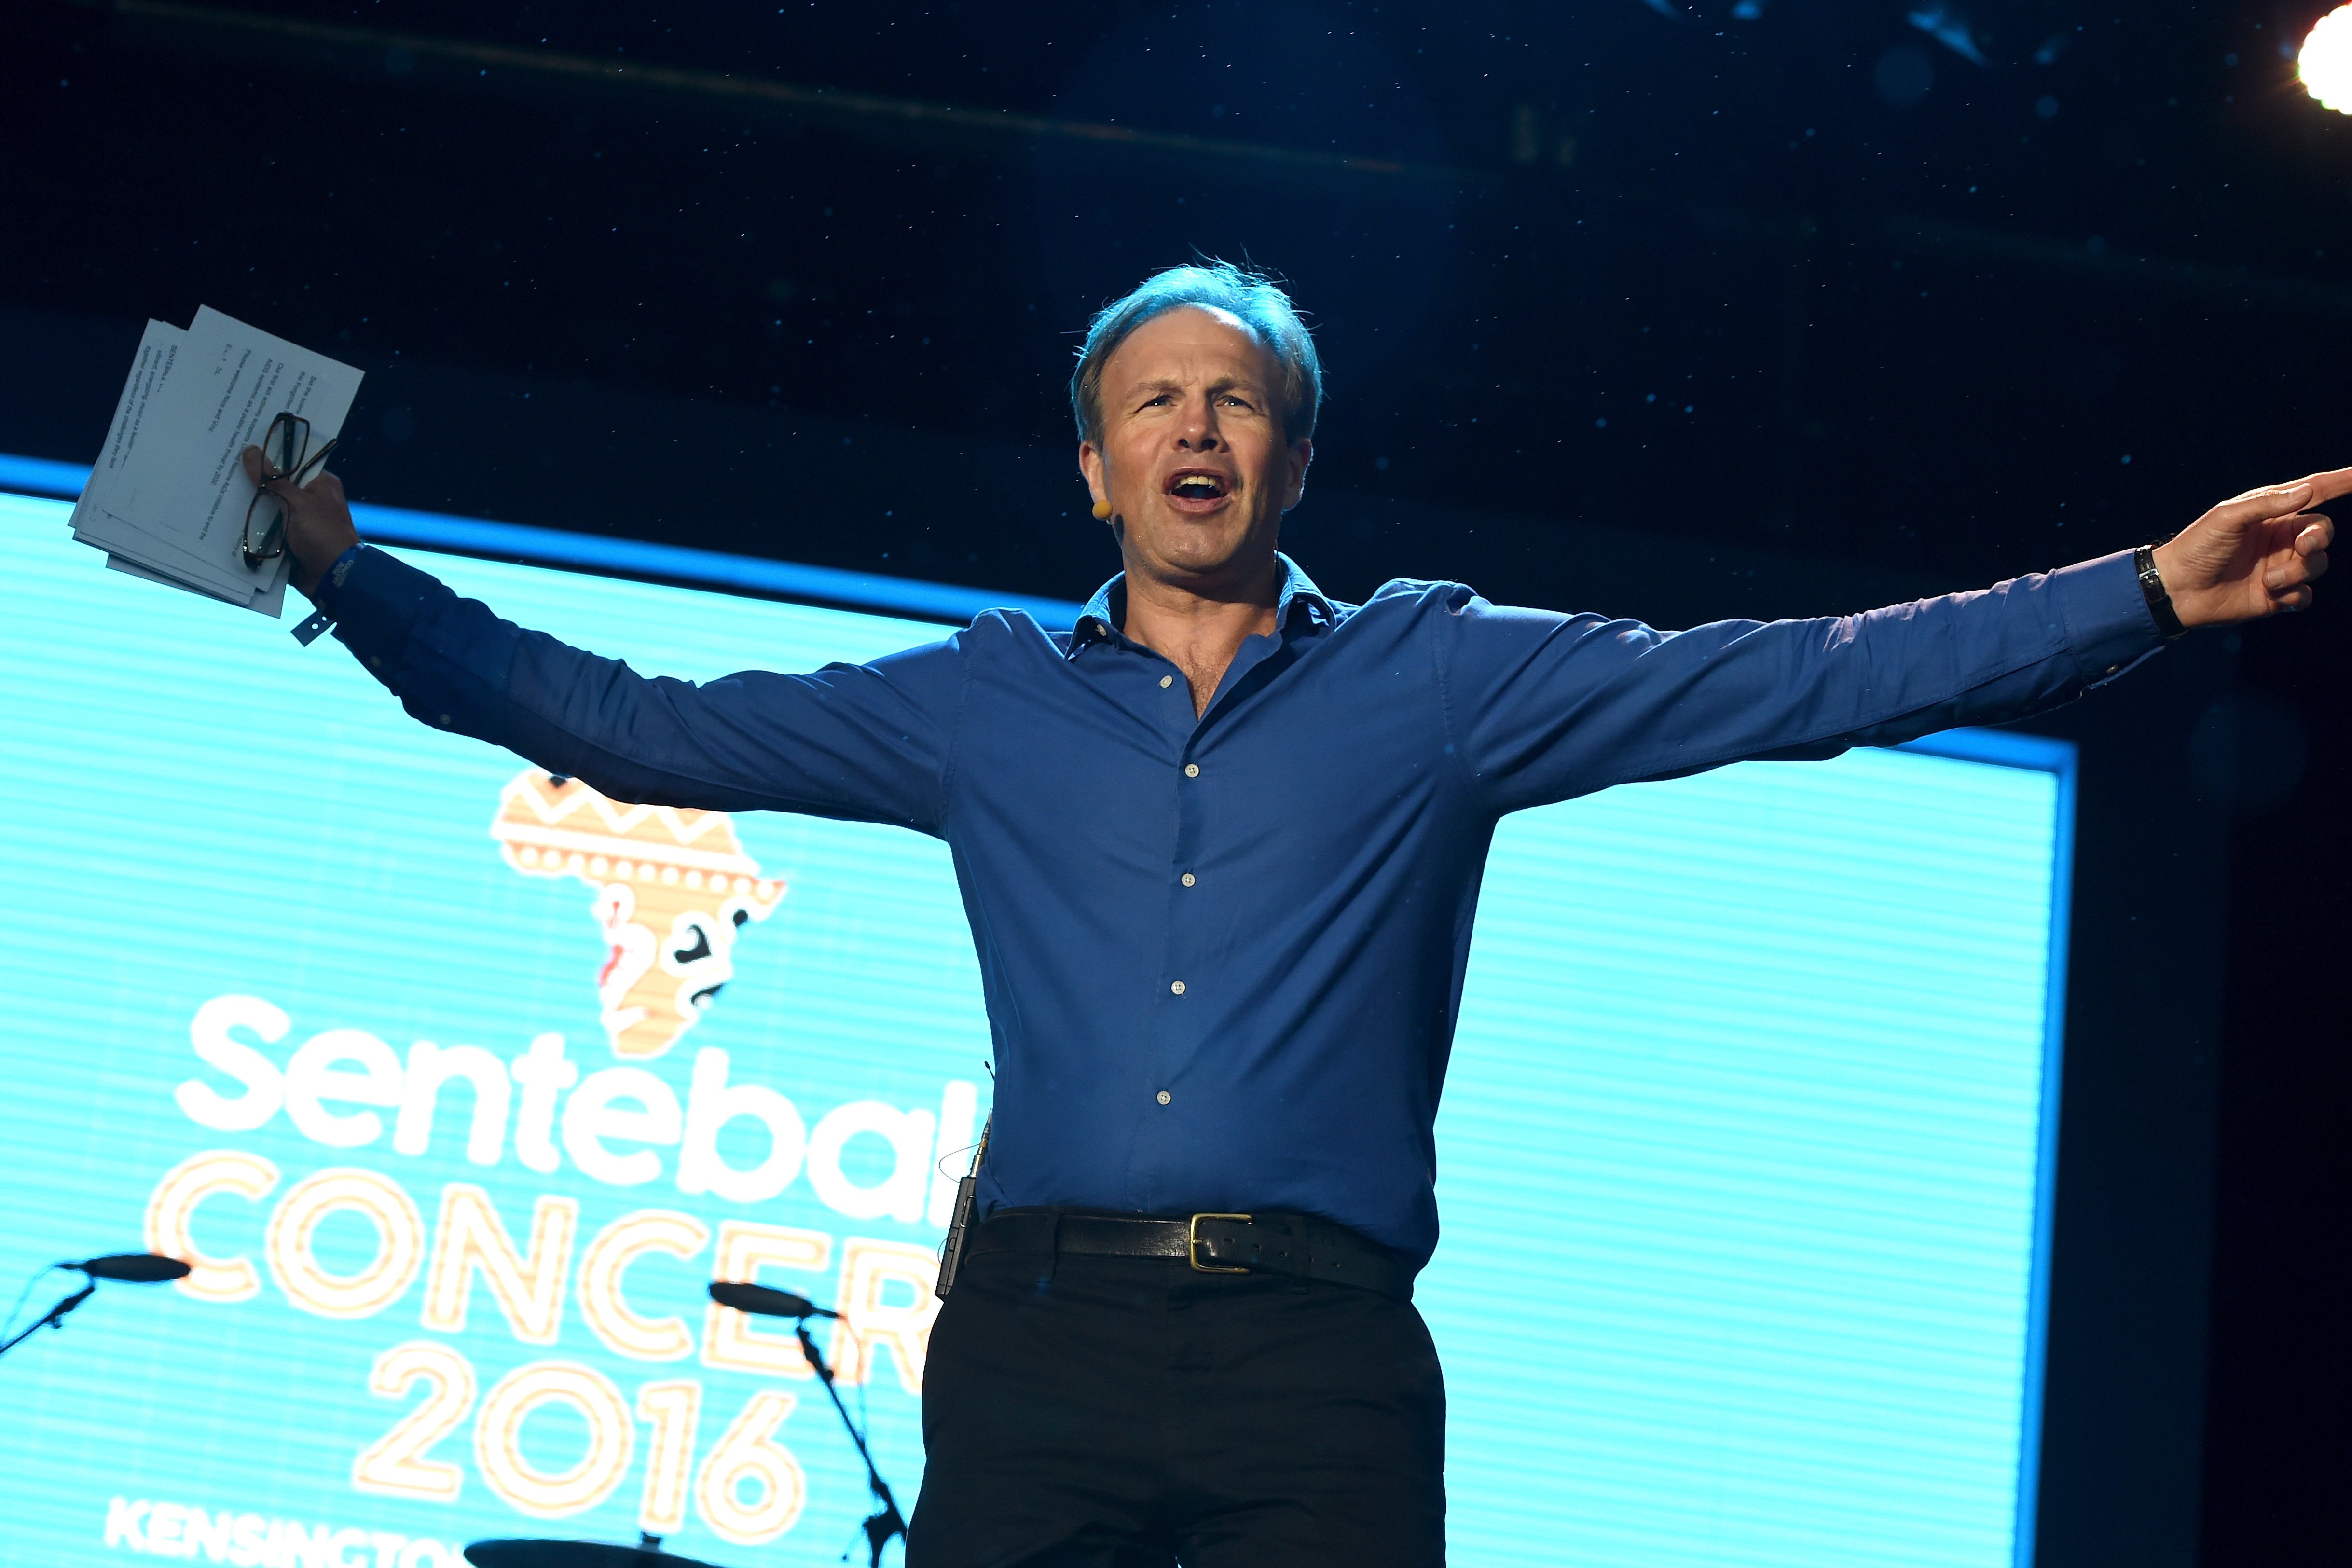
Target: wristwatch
2151	586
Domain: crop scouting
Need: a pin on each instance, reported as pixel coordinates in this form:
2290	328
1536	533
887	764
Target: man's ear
1091	470
1302	456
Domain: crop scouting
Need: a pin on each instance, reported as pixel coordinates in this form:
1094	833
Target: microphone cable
8	1324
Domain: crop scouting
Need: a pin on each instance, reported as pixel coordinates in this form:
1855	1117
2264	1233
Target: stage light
2325	63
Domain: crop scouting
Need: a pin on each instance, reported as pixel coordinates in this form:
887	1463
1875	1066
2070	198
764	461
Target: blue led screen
458	1088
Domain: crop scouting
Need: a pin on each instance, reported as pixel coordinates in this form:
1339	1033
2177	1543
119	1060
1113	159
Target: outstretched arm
864	741
1543	707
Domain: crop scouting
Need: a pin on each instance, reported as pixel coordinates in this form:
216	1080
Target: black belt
1298	1245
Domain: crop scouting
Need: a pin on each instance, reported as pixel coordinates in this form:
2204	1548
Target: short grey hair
1251	298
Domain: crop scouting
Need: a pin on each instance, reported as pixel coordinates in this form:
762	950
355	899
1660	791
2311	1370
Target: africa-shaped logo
672	889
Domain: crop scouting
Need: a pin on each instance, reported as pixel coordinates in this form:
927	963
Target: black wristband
2151	586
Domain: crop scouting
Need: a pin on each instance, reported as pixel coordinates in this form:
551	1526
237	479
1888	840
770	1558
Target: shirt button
1192	770
1165	1096
1188	879
1178	988
1167	681
445	721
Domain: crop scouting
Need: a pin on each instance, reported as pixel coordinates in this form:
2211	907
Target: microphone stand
57	1316
888	1522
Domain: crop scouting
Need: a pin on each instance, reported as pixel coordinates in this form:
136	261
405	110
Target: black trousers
1135	1413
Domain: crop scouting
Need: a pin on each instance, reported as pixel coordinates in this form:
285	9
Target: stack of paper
167	498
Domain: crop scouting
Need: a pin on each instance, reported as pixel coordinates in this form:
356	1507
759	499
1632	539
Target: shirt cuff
376	606
2108	625
323	592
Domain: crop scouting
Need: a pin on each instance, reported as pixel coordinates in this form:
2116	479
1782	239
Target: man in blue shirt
1220	849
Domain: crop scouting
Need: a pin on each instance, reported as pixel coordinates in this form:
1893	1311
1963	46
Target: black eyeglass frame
285	455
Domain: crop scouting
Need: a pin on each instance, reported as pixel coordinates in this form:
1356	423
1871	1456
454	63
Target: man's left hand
2256	555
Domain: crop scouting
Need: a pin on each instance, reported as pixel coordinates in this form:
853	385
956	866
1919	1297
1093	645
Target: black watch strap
2151	585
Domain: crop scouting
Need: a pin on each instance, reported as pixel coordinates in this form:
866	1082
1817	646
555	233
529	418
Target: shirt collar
1106	610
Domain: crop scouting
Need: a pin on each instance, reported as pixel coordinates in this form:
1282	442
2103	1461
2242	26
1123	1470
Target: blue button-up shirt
1223	954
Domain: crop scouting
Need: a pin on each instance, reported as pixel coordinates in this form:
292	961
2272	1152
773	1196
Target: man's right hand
318	519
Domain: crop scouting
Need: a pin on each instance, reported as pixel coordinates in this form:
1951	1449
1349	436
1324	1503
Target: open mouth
1198	485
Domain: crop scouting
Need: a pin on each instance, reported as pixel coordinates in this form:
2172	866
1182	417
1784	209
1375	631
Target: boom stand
56	1317
888	1522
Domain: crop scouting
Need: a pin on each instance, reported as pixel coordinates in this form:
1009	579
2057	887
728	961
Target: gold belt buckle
1192	1243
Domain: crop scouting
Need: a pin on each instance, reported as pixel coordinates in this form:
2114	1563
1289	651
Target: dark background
1768	309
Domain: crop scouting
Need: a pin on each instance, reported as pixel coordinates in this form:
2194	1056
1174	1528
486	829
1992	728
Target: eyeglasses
285	455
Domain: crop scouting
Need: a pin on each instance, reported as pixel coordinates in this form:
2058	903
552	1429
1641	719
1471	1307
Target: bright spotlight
2325	64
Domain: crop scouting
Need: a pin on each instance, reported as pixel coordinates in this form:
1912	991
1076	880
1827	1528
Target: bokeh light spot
2325	64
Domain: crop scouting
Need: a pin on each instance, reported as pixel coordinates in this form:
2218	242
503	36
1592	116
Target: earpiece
1102	511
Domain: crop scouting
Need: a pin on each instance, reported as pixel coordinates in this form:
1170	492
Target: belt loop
1303	1231
1054	1249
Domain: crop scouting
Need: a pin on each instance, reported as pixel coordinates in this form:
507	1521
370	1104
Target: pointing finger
2259	505
2327	486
